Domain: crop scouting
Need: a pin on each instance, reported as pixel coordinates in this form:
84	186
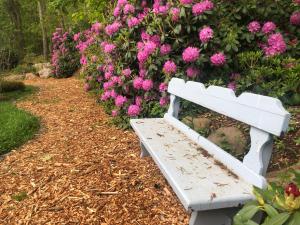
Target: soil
80	169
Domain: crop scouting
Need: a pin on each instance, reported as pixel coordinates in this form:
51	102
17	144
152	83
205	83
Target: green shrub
9	86
24	68
17	126
276	76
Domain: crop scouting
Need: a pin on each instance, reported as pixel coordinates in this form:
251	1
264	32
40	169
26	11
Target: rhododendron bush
130	59
65	58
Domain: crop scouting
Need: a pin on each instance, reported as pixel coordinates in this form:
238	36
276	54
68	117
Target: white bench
210	182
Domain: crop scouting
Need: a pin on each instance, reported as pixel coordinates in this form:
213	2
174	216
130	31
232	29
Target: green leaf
247	212
270	210
294	219
279	219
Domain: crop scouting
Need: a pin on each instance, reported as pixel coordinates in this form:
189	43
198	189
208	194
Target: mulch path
80	169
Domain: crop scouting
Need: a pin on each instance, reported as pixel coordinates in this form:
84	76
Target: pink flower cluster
190	54
218	59
254	27
169	67
295	19
112	28
206	34
201	7
276	45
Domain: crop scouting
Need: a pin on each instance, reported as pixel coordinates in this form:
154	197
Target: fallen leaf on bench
160	135
212	196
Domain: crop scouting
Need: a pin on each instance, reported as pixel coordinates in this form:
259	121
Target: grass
19	94
17	126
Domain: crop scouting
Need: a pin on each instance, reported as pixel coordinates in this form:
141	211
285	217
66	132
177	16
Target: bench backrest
265	115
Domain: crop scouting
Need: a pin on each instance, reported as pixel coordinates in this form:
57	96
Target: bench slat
259	111
227	159
197	179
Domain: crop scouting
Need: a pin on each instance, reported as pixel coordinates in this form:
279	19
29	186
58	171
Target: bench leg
144	152
213	217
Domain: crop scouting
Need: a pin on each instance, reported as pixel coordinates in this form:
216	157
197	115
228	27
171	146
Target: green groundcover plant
279	203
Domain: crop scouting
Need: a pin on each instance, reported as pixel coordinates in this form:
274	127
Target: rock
30	76
201	123
230	139
45	73
188	120
39	66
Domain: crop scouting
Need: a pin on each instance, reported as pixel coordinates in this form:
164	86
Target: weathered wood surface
199	180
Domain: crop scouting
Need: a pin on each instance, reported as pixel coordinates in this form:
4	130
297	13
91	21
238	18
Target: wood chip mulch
80	169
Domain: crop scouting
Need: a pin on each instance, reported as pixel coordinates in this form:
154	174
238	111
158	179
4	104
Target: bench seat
200	182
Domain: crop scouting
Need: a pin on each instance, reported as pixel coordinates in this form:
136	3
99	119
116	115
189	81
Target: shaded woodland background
26	26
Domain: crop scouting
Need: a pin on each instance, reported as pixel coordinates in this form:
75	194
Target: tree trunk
13	8
42	10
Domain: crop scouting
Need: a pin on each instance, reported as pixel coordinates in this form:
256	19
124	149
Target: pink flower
83	60
163	87
133	110
192	72
163	101
149	47
169	67
147	85
138	100
232	86
276	45
190	54
120	101
268	27
218	59
206	34
113	94
297	2
165	49
76	37
109	48
163	9
142	56
175	12
254	27
132	22
114	113
156	40
87	87
126	72
117	11
108	75
112	28
122	2
105	96
96	27
138	83
143	73
186	2
128	8
202	7
295	18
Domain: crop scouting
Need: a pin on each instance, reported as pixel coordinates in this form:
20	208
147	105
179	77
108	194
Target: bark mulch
80	169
